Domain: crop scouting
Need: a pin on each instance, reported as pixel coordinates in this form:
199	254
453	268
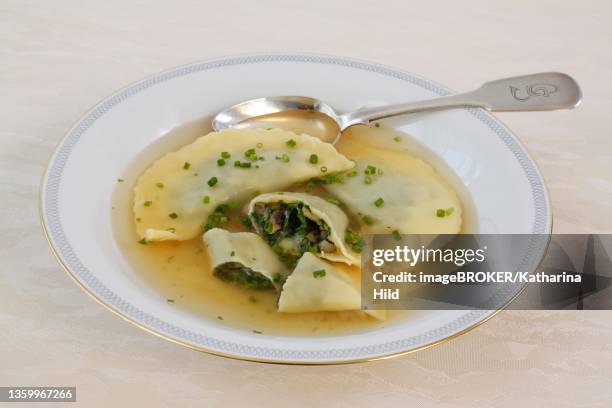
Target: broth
181	272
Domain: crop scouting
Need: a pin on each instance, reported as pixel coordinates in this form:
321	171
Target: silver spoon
535	92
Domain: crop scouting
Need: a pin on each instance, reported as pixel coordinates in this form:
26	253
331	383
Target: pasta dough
412	194
178	192
245	258
308	289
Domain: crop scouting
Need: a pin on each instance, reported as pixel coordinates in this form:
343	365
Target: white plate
507	190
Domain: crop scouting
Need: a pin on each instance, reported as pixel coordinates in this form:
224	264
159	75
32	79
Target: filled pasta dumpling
177	195
296	223
244	258
316	285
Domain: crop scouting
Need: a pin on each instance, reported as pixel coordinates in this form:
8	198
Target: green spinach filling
239	274
289	228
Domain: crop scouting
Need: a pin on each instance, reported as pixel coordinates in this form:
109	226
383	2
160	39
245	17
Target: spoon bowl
535	92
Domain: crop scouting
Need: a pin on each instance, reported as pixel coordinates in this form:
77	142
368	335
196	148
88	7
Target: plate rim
542	214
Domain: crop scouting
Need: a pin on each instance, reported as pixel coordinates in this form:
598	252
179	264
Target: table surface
58	58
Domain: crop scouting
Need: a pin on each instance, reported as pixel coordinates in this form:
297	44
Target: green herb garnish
319	274
225	155
218	216
379	202
354	240
284	158
244	165
120	180
147	203
206	200
212	181
313	159
220	162
173	215
246	221
371	170
367	219
291	143
186	165
396	235
159	184
329	178
143	241
251	154
334	201
397	139
440	212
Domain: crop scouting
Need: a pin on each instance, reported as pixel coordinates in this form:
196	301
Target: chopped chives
147	203
246	221
354	240
397	139
376	124
277	277
379	202
334	201
143	241
173	215
371	170
232	253
251	154
206	200
186	165
396	235
351	173
244	165
367	219
313	159
170	300
257	332
159	184
120	180
319	274
440	213
220	317
367	179
225	155
291	143
221	162
138	219
212	181
450	210
284	158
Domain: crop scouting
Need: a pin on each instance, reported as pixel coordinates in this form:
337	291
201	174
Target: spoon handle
535	92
